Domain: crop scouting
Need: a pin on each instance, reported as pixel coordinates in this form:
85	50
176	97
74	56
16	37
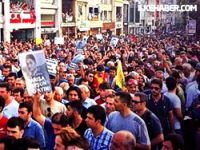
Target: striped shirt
100	142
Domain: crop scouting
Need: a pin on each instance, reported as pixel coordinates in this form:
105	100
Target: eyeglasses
49	112
156	88
137	102
91	76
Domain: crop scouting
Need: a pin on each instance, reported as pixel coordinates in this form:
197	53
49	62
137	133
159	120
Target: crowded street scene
81	76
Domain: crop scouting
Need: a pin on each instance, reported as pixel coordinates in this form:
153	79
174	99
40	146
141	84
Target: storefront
108	28
48	26
22	25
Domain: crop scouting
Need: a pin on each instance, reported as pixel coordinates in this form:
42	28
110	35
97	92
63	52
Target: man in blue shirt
52	127
98	136
32	128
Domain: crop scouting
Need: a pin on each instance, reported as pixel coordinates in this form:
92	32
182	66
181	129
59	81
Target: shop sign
22	17
110	25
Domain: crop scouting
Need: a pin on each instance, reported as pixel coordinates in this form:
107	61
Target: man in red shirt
3	119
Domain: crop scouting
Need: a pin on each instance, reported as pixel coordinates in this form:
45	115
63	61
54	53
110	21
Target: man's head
171	83
131	84
96	116
103	89
74	93
31	62
49	95
18	94
156	86
89	76
25	111
11	79
110	107
20	83
6	70
123	140
112	71
85	92
58	93
59	121
122	101
15	127
74	108
173	142
5	90
100	71
70	79
139	101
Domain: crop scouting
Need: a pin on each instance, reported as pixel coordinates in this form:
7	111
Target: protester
123	140
124	119
98	136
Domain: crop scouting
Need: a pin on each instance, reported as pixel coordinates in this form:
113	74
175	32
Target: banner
51	66
192	27
59	40
120	79
34	69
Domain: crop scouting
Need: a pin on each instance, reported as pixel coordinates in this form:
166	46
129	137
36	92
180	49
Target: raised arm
37	114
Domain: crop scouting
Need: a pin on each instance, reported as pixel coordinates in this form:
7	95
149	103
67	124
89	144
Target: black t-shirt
153	126
81	128
161	109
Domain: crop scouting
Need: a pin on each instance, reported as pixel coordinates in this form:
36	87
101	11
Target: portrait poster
34	69
114	41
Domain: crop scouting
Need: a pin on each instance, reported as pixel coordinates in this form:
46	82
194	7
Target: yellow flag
120	79
38	41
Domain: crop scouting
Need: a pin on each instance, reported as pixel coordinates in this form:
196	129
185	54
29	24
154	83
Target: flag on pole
120	79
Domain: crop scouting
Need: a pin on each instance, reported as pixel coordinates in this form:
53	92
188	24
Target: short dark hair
19	90
74	88
7	66
8	142
157	81
5	85
61	119
176	140
25	143
98	112
171	83
27	105
100	68
125	97
104	86
142	96
76	105
2	103
12	74
14	122
82	80
112	68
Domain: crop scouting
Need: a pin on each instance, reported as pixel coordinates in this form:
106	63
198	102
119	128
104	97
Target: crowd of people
155	106
20	6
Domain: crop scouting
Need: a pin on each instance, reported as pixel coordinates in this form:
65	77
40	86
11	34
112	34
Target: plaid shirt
100	142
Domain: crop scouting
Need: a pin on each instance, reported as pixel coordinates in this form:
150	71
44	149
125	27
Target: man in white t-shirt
11	105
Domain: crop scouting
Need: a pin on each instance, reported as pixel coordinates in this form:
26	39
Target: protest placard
51	66
59	40
114	41
34	69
